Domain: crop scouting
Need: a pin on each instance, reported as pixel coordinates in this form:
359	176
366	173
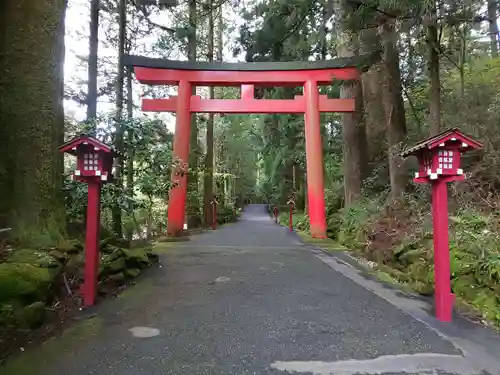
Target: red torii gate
187	75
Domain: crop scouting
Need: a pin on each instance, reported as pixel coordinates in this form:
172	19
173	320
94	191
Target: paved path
250	298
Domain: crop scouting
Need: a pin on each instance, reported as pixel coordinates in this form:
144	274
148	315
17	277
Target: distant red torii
309	75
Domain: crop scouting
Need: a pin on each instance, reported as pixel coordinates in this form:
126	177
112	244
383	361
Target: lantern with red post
439	163
291	204
94	167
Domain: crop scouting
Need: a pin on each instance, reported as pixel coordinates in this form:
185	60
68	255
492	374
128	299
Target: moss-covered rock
31	316
118	278
59	256
110	268
39	258
72	246
24	283
115	254
76	261
132	273
137	258
112	263
6	315
153	257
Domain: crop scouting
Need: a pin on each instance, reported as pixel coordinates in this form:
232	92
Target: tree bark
327	14
209	157
433	68
193	191
122	20
493	26
394	109
373	108
92	69
31	114
346	47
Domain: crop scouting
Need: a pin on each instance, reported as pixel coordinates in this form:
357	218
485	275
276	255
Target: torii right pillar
314	160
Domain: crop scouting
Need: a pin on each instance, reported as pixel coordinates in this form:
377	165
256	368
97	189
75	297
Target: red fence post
443	297
214	215
291	217
92	243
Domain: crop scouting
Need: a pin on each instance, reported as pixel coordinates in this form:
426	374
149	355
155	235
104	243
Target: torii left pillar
314	161
178	193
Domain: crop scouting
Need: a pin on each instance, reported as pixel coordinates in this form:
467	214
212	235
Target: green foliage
355	221
300	220
151	146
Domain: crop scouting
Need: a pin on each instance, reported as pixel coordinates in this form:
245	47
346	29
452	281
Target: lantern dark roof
440	138
361	62
77	141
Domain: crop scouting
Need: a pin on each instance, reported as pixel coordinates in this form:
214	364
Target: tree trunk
394	109
346	47
493	26
193	205
31	114
92	69
327	14
122	20
373	114
209	157
433	67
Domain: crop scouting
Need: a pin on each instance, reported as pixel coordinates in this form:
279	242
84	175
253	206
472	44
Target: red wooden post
314	159
92	243
439	163
291	217
94	167
214	215
177	199
443	295
247	92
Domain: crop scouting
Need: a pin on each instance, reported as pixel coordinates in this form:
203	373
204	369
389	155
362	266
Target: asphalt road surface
250	298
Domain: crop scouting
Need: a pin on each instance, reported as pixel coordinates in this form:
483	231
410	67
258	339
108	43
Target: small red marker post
214	213
291	204
439	163
94	167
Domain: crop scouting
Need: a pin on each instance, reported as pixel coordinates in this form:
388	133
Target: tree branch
149	21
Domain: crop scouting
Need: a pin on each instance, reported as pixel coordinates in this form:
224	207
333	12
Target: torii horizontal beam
239	106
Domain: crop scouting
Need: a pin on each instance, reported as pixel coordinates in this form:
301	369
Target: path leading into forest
251	298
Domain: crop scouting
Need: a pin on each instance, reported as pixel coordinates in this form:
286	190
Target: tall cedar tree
31	112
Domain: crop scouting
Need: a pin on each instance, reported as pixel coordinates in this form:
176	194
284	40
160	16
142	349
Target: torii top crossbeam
152	71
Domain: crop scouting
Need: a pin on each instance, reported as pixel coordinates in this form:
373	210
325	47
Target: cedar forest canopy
438	69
